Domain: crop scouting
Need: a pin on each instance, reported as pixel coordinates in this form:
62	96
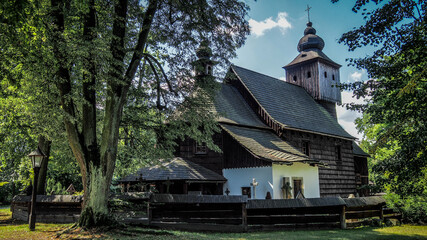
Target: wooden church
279	139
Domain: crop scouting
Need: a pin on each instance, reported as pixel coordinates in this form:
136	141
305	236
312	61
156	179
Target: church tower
315	72
203	66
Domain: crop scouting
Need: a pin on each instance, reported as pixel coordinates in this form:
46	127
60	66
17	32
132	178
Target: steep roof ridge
327	115
243	105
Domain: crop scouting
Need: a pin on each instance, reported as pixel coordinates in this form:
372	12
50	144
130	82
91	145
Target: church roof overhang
266	145
311	55
358	151
175	169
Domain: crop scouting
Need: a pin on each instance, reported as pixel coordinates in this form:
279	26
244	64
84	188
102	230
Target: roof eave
291	64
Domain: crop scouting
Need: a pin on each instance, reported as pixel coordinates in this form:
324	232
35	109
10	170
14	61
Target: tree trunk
95	211
97	162
44	145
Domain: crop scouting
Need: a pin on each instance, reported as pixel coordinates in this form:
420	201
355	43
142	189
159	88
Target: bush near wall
413	208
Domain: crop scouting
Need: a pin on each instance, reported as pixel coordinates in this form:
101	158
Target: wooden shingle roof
176	169
311	54
288	104
265	144
233	109
358	151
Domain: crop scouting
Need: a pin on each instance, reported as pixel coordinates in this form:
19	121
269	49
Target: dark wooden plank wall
327	89
48	209
236	156
212	160
338	178
311	85
362	174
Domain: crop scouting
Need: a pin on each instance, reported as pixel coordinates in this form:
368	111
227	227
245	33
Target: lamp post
36	158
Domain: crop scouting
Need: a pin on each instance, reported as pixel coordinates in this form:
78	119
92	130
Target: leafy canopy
394	117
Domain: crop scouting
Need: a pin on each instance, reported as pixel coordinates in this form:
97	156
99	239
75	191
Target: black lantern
36	158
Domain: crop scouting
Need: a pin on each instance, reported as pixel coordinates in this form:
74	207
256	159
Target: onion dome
310	39
204	51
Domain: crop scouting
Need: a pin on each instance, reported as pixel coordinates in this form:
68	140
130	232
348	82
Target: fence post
381	212
244	218
342	218
149	213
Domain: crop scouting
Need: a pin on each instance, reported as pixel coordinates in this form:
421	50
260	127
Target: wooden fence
361	208
49	209
217	212
296	213
237	213
189	212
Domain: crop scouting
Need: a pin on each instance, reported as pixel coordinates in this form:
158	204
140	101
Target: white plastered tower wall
242	177
270	179
308	174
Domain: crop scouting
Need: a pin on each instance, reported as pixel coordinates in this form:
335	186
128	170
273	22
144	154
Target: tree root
67	230
90	219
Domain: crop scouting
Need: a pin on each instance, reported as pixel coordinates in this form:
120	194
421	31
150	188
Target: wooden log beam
342	218
244	218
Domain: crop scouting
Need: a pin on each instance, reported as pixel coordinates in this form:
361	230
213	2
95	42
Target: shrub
413	208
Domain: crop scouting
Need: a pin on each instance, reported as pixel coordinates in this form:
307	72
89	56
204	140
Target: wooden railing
217	212
49	209
237	213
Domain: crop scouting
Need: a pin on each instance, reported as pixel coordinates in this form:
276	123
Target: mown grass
10	229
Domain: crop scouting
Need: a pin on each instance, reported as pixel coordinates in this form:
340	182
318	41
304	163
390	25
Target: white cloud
357	76
259	28
283	78
346	117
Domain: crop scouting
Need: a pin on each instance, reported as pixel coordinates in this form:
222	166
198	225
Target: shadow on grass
404	232
6	219
44	231
397	233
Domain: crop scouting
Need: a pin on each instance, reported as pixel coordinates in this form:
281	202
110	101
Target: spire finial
308	12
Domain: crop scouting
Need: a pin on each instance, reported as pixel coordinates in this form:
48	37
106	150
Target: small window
209	70
338	155
333	77
246	191
295	78
306	148
326	74
201	148
308	74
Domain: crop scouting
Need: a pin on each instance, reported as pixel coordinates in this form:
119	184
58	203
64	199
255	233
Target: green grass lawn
10	229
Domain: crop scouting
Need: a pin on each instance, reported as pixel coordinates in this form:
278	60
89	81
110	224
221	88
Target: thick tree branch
148	57
115	99
142	39
64	86
89	95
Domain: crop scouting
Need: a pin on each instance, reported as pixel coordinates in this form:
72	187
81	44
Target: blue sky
277	26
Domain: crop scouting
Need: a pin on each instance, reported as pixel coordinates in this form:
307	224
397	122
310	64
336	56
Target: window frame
338	153
305	147
248	191
200	149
